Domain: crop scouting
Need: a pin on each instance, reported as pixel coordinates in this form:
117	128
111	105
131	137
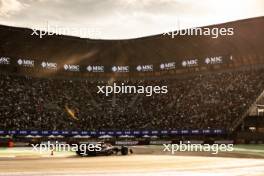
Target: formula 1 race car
101	149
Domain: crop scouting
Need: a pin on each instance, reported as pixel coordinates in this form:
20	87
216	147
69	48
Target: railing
237	123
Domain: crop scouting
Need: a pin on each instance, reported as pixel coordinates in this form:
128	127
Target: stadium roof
247	39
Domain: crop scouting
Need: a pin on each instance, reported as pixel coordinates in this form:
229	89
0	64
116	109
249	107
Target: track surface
148	160
132	165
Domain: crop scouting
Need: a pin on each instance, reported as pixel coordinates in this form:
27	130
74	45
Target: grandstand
48	85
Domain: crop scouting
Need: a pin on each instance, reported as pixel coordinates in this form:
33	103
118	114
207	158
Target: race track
151	165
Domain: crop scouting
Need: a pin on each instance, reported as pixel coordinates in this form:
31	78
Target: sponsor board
95	68
49	65
213	60
144	68
70	67
26	62
126	142
4	60
120	69
190	63
168	66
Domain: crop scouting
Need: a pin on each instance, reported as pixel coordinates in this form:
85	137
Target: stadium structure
48	86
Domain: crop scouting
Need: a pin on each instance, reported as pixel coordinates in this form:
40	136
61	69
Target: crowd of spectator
200	101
